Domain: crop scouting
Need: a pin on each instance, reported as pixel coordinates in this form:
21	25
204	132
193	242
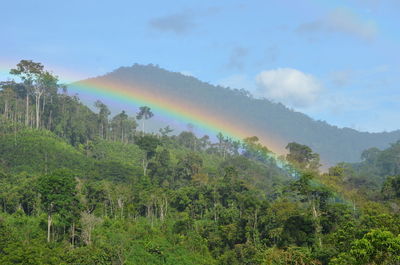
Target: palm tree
144	114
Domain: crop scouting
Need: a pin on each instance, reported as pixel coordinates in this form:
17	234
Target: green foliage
391	188
58	194
189	166
78	178
376	247
144	113
30	253
289	256
91	256
104	150
38	152
115	171
148	144
302	156
299	231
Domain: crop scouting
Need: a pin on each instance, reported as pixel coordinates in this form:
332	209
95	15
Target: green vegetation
79	187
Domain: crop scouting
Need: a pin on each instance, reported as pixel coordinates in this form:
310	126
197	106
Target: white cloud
289	86
342	21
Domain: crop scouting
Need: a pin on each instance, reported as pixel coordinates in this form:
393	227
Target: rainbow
188	112
175	109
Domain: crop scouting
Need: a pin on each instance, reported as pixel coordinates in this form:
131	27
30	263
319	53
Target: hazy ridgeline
238	106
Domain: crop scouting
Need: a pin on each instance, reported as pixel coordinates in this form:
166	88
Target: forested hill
332	143
83	187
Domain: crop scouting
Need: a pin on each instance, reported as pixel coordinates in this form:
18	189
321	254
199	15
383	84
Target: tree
370	155
7	91
37	83
252	148
88	222
302	156
104	112
120	126
391	188
299	230
160	169
189	166
58	195
221	144
165	134
46	82
29	72
165	131
144	114
315	195
187	139
148	143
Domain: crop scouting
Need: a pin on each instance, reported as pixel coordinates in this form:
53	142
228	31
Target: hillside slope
86	188
280	123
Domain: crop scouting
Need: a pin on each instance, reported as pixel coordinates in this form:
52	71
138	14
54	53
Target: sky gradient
336	61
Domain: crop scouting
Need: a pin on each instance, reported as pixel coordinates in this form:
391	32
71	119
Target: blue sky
337	61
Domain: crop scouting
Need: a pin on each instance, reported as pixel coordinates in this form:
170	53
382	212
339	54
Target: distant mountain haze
275	124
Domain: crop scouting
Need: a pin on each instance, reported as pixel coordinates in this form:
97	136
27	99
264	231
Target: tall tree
315	195
221	144
144	113
58	195
148	143
46	82
7	93
29	73
104	112
123	127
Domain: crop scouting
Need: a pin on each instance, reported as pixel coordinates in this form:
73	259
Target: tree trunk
32	119
255	226
44	104
121	206
145	163
166	207
73	234
49	122
37	103
317	222
6	108
161	211
49	221
16	109
27	109
45	163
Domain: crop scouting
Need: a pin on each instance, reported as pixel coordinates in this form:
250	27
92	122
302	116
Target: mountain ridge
284	125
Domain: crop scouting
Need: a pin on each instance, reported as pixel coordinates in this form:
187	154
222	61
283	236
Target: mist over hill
237	105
